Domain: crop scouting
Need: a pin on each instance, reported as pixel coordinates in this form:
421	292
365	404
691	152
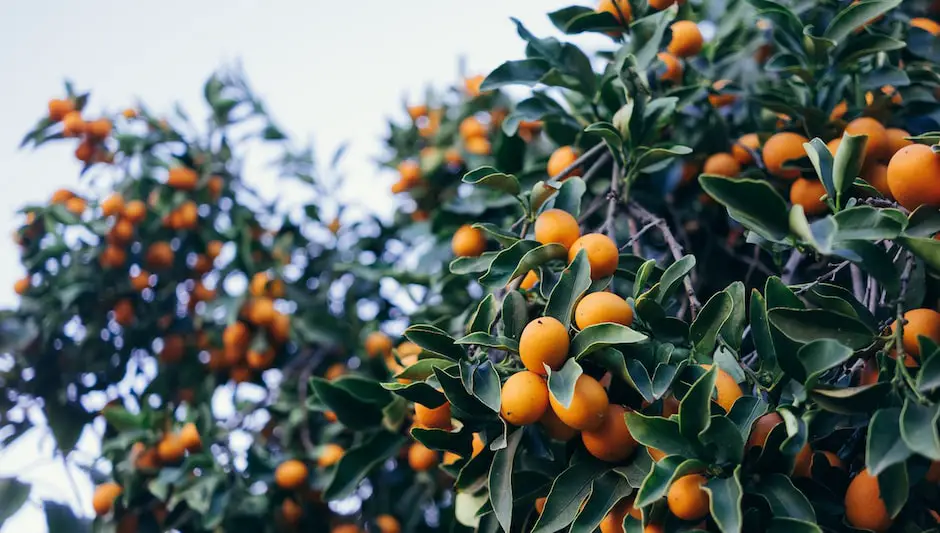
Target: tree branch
827	276
858	286
674	247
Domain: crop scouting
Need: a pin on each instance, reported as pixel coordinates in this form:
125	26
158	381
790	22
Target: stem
596	167
828	275
899	331
858	286
636	234
674	247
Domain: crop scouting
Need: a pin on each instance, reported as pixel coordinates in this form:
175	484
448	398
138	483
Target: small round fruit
330	455
387	524
620	9
421	458
745	147
103	499
897	140
434	418
878	147
686	498
808	194
290	474
864	506
728	389
544	341
781	148
914	176
722	164
378	344
918	323
602	307
524	398
761	428
673	70
612	441
468	241
557	226
602	254
561	159
588	406
189	436
686	40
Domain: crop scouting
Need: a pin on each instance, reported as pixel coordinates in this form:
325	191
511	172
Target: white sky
328	71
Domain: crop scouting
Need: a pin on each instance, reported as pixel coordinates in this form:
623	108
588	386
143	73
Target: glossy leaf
919	429
807	325
435	340
491	178
884	446
574	282
561	382
784	499
694	412
660	433
598	336
708	323
607	490
506	263
754	203
490	341
662	475
359	460
724	502
523	72
13	494
569	489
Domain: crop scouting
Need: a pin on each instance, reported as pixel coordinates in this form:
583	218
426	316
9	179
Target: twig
858	286
873	291
596	167
789	269
578	162
899	331
674	247
595	205
827	276
636	234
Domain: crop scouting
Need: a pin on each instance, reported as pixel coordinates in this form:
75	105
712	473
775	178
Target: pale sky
328	71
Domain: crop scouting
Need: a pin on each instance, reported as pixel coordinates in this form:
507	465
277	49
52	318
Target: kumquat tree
687	281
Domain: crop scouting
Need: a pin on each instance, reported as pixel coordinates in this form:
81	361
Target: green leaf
608	133
785	500
656	159
647	37
435	340
60	517
733	329
708	323
928	379
13	494
461	400
885	447
506	262
664	472
722	441
868	223
503	237
894	486
67	423
569	196
491	341
857	15
418	392
763	341
607	490
483	318
561	382
672	278
821	159
535	258
866	45
593	338
472	265
486	385
660	433
615	362
779	295
847	163
575	281
919	429
745	411
568	490
850	400
926	249
358	461
642	275
458	442
724	501
424	368
578	19
523	72
694	409
819	356
807	325
123	420
499	481
515	315
820	234
838	299
923	222
493	179
792	525
753	203
351	411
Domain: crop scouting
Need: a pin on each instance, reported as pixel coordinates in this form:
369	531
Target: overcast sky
328	71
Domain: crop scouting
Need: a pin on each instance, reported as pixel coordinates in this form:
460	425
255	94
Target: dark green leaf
564	499
60	517
575	280
352	411
472	265
850	400
919	429
535	258
819	356
857	15
524	72
491	341
894	486
506	262
662	475
608	489
660	433
493	179
499	481
359	461
784	499
924	248
847	164
561	382
885	447
515	315
435	340
483	318
425	367
708	323
694	409
599	336
486	385
569	196
807	325
745	411
13	494
418	392
725	496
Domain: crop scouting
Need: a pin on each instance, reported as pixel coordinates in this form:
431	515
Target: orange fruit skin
472	85
728	389
876	175
561	159
557	226
468	241
920	322
613	522
588	405
544	341
529	281
781	148
76	205
387	524
124	312
540	504
59	108
721	100
914	176
189	436
673	71
834	460
808	194
655	454
803	463
686	499
22	286
761	428
346	528
929	26
869	373
410	172
878	147
436	418
602	254
378	344
330	455
103	499
722	164
742	156
620	9
686	40
260	360
135	211
612	441
555	428
896	140
601	307
864	508
471	127
98	129
839	111
170	450
290	474
524	398
933	474
661	4
112	205
421	458
73	124
291	511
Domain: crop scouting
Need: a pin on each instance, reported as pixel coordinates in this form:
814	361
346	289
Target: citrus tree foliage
680	284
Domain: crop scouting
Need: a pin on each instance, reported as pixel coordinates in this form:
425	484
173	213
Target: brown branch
831	275
674	247
858	286
636	234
